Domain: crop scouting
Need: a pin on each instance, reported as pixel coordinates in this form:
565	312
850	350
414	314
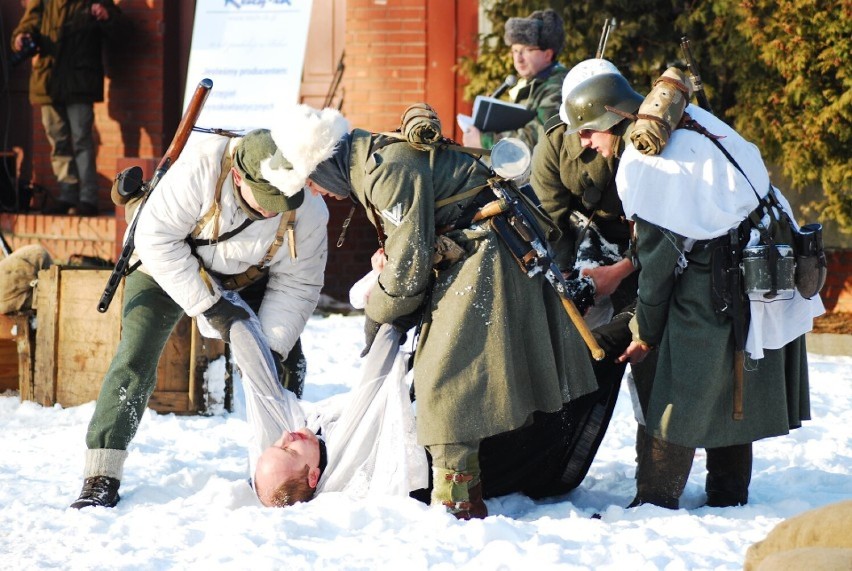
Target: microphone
510	81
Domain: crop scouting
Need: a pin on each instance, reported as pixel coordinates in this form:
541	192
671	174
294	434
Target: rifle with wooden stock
187	122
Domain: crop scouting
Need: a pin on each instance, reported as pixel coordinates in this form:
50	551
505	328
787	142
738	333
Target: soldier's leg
81	120
661	473
456	479
55	122
728	475
148	317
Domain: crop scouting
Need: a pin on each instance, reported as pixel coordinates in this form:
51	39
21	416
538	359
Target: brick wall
837	293
385	73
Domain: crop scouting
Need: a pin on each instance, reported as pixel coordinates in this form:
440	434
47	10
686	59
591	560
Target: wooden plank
86	339
8	365
167	401
47	293
25	339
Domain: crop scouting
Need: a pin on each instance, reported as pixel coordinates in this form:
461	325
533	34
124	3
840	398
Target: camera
27	51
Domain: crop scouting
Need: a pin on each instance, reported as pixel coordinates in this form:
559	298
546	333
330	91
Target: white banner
254	51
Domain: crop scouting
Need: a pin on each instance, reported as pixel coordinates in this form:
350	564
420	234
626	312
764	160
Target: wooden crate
16	357
75	343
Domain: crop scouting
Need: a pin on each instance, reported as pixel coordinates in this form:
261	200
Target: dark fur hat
543	29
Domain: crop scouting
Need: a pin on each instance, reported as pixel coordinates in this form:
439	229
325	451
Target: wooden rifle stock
184	130
700	94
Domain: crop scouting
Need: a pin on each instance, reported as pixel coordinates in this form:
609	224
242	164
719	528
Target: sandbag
18	276
825	527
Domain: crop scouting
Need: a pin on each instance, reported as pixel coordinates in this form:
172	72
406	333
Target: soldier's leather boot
661	473
99	491
728	475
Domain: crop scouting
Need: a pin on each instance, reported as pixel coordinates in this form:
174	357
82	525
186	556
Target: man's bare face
286	459
601	141
530	60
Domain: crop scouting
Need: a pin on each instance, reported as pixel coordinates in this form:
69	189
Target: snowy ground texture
186	504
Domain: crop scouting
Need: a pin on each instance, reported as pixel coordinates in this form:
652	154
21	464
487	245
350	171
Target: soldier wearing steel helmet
683	201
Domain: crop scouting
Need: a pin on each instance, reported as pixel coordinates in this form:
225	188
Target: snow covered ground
186	503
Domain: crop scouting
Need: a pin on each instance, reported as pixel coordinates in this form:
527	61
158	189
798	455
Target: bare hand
472	138
635	353
378	260
99	12
19	41
607	278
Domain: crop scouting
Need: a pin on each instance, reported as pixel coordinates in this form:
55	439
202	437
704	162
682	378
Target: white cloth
369	432
183	197
692	189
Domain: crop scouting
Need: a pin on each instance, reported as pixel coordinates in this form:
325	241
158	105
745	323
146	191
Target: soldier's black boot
98	491
661	473
728	475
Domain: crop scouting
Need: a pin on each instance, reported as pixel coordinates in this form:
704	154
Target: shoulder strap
213	212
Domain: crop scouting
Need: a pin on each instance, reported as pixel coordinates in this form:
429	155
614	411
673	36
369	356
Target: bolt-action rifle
608	26
190	116
695	77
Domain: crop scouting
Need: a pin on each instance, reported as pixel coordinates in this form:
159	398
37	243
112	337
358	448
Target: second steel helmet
593	103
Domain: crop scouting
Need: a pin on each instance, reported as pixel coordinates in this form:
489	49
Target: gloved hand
279	366
222	316
615	336
371	329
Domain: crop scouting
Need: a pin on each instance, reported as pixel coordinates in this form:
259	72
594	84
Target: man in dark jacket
67	79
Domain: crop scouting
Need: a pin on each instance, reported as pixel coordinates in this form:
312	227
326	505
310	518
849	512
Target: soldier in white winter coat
230	214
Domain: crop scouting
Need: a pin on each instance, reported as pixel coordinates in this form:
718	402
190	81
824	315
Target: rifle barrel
184	130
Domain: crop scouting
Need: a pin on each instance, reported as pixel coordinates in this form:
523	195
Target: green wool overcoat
692	395
69	66
496	345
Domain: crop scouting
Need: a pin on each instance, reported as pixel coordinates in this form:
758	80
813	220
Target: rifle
609	24
695	77
335	84
190	116
521	231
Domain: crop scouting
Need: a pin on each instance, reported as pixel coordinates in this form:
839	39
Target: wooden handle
187	122
583	329
739	364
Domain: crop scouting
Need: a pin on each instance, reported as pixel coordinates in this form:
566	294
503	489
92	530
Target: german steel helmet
585	106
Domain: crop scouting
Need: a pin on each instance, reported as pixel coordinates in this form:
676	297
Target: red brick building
397	52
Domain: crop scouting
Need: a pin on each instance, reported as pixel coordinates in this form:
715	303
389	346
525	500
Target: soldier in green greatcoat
684	201
496	345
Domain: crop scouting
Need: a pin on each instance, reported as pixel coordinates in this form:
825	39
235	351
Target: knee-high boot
728	475
661	473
